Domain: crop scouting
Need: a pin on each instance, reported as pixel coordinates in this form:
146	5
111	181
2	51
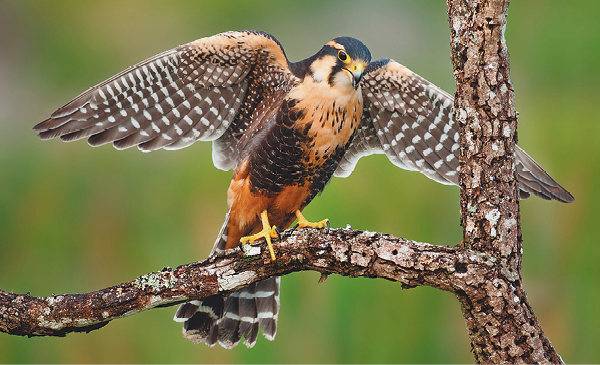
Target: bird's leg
303	223
267	233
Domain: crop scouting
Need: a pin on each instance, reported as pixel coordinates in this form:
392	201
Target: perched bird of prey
285	129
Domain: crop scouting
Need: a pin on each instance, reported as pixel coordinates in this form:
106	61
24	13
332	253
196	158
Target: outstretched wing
408	119
190	93
412	120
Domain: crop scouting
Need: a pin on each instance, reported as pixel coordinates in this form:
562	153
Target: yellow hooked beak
355	72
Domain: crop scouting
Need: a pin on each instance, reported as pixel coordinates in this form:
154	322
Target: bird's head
341	62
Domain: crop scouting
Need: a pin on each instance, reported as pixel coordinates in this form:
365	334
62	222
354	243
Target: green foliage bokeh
76	219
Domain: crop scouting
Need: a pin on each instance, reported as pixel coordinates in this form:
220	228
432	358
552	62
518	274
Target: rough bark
343	251
501	323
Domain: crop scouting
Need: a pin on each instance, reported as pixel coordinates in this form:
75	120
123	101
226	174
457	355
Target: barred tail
225	320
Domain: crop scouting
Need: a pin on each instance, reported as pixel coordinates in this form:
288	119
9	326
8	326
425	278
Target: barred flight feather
168	101
412	119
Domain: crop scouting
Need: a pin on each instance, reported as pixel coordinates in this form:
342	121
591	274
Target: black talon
328	226
323	277
278	233
294	228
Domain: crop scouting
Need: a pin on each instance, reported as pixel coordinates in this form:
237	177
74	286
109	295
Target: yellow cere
359	66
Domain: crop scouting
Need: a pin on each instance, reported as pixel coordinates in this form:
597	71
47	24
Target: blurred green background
76	219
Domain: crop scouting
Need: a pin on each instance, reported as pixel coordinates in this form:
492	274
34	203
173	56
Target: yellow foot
303	223
267	233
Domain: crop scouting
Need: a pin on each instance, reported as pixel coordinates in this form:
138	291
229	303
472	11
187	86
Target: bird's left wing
190	93
410	120
407	118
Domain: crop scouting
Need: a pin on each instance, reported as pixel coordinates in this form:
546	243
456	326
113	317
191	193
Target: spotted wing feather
412	119
190	93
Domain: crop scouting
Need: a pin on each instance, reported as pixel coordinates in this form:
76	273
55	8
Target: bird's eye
343	56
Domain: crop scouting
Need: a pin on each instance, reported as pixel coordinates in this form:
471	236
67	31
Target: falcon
285	129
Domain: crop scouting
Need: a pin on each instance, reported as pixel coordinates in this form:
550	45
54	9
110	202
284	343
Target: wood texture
343	251
501	324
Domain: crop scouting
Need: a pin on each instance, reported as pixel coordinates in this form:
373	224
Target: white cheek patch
321	69
320	75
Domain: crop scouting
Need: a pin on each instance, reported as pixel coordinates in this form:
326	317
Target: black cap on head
355	48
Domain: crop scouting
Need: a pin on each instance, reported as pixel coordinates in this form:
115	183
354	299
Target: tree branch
343	251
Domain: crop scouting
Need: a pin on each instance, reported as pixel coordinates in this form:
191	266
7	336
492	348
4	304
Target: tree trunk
501	323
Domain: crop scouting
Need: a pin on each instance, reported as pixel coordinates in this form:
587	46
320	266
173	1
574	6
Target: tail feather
267	306
229	324
248	314
200	328
225	320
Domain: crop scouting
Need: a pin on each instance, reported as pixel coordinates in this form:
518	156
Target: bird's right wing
190	93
